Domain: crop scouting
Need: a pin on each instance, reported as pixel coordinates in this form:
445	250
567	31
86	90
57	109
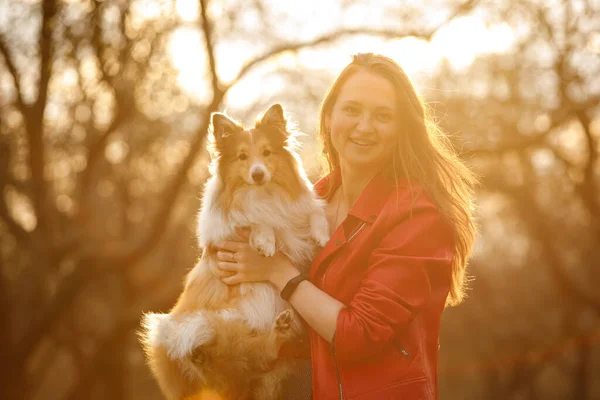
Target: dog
225	339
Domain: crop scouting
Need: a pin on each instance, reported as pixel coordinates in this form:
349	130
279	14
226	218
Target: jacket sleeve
397	284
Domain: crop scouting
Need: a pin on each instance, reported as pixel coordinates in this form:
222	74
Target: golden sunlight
186	50
187	10
464	38
150	10
459	42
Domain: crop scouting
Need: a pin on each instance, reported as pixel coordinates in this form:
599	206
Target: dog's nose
258	176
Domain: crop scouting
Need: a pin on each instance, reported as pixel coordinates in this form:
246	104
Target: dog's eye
267	153
243	157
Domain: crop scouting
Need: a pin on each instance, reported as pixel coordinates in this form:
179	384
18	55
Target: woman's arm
395	287
317	308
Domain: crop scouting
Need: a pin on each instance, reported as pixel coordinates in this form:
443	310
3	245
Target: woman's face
364	122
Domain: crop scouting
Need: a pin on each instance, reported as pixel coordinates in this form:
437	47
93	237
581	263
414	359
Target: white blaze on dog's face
255	157
257	152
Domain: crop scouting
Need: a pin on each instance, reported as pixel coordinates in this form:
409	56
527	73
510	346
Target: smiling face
363	122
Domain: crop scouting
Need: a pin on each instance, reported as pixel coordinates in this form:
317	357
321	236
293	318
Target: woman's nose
364	123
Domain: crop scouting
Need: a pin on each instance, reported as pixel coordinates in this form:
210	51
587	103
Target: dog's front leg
262	238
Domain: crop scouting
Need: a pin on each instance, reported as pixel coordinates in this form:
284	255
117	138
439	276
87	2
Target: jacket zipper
335	363
356	232
402	350
337	369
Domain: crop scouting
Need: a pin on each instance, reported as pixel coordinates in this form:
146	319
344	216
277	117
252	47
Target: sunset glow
459	42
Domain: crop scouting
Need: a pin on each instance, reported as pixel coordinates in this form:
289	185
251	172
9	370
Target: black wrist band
291	286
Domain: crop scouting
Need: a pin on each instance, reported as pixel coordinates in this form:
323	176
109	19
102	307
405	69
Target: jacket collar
372	199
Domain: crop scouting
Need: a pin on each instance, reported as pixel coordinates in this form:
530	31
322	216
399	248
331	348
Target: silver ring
233	257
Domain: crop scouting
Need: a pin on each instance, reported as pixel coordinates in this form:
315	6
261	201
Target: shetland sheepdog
225	339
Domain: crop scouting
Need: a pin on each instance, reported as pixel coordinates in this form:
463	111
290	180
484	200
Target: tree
101	154
533	138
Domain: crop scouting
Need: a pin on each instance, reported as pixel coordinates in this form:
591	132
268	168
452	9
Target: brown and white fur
224	338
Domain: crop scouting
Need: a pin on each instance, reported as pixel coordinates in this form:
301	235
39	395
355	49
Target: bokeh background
104	107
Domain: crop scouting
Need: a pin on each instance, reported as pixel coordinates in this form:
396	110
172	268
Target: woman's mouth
361	142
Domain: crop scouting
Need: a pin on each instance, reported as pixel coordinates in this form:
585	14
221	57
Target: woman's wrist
280	277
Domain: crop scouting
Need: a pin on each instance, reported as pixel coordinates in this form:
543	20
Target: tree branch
34	123
13	227
125	101
557	119
15	75
517	145
208	37
338	34
126	255
97	150
5	178
589	179
323	39
536	224
84	272
588	189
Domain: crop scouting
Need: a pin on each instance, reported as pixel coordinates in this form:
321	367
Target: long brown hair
423	154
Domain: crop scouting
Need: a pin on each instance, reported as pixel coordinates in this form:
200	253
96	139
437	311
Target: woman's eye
351	110
266	153
243	157
384	117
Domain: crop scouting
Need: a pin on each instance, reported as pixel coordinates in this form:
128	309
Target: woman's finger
229	245
224	274
228	266
233	280
226	256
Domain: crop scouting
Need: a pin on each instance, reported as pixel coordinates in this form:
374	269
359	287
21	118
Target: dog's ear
223	126
274	117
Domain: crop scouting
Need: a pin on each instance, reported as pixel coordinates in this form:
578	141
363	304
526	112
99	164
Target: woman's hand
238	262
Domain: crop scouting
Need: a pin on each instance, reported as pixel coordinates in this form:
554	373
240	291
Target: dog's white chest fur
278	223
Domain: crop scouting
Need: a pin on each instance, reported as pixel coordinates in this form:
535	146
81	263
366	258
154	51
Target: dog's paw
263	240
319	231
283	326
283	323
321	237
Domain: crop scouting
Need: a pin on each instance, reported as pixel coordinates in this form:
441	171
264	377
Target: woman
399	206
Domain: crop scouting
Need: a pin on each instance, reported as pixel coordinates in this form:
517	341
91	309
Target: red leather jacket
389	263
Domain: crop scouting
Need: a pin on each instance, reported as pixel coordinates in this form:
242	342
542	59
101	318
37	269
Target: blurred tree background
104	110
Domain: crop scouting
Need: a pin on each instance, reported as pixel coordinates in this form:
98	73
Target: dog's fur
226	338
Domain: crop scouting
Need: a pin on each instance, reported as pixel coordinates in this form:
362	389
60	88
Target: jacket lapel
335	243
364	211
